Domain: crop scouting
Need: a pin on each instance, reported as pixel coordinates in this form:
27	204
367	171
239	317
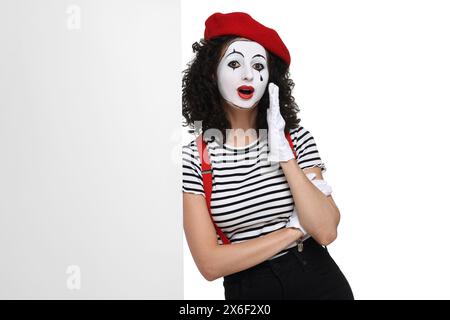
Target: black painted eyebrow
258	55
234	51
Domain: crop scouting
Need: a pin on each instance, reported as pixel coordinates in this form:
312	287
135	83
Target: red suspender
288	137
207	182
207	178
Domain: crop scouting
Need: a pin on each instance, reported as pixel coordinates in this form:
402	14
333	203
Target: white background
372	81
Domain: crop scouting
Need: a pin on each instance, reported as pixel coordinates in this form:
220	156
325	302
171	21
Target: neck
243	125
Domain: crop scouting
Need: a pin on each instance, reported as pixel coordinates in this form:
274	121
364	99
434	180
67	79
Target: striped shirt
250	196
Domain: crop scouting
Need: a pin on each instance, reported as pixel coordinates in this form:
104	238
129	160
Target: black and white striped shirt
250	196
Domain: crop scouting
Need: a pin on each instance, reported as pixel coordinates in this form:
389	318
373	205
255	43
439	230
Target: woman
239	82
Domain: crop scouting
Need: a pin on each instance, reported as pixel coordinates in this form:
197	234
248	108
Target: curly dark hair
202	100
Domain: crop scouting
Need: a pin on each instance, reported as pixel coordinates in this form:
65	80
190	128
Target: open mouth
245	92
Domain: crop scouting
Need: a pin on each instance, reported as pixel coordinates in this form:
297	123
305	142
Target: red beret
243	25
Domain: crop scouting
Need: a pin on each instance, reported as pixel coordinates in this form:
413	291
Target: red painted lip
245	92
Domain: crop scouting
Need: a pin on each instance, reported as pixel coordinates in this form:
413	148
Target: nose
247	73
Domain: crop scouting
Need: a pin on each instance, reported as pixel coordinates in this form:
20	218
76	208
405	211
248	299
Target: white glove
279	148
295	223
322	186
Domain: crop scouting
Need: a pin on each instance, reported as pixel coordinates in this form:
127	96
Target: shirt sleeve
306	149
192	174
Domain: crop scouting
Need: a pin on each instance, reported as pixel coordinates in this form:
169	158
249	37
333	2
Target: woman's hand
279	148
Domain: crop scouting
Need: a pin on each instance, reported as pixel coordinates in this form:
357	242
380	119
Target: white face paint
242	73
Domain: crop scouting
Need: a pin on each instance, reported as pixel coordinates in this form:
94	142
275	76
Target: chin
245	108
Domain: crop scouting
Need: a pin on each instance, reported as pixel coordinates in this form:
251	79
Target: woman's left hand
279	148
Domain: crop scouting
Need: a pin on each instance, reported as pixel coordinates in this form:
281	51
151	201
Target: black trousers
308	275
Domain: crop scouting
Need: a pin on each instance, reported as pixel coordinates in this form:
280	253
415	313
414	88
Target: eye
234	64
258	66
